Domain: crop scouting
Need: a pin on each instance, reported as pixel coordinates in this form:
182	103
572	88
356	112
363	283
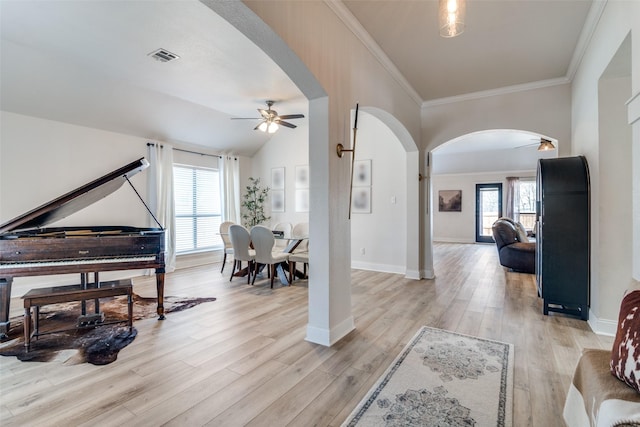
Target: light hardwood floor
243	360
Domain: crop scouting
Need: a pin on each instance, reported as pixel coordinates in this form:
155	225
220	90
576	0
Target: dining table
281	268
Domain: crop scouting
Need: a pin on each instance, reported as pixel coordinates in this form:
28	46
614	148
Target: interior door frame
479	187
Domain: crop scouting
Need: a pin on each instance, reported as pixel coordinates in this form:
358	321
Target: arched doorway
480	158
383	138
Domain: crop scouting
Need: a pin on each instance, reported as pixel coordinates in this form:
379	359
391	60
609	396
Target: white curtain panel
511	198
161	201
231	189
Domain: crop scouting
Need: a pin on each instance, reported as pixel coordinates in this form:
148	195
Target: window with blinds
198	208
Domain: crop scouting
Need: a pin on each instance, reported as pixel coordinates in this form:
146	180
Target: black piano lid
75	200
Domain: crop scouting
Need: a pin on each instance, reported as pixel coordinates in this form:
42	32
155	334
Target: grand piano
29	249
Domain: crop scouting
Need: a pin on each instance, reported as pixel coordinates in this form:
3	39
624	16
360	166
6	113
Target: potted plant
253	203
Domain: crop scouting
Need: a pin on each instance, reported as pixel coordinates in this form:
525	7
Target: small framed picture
277	200
277	178
302	176
362	173
302	200
361	200
450	200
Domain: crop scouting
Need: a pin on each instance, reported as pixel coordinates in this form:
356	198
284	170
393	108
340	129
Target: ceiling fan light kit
268	127
271	121
451	15
546	145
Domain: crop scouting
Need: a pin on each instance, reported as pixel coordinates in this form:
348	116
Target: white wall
525	158
381	234
385	250
619	20
44	159
459	227
545	111
287	148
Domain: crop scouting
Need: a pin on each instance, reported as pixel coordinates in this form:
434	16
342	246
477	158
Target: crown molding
590	24
358	30
499	91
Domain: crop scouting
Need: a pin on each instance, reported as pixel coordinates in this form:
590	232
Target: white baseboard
602	326
395	269
328	337
200	258
382	268
453	240
428	274
412	274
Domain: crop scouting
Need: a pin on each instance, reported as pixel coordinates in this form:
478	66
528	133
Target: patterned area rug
442	378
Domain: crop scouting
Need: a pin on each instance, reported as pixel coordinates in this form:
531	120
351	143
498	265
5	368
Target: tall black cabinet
562	235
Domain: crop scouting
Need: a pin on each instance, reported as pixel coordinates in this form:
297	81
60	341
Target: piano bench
58	294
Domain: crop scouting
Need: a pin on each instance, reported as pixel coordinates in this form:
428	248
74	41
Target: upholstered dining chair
294	258
285	227
301	253
241	240
228	247
263	243
301	229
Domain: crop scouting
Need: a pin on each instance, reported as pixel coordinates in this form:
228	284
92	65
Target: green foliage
253	203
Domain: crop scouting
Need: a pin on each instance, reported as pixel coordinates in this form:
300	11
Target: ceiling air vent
163	55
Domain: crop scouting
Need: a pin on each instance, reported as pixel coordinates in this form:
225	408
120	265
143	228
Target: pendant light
451	14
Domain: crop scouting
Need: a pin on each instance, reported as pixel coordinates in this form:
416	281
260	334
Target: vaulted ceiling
88	63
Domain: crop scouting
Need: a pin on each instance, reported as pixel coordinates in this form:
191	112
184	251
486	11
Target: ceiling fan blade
258	125
245	118
527	145
286	124
292	116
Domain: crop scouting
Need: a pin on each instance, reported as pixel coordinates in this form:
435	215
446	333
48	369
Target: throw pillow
522	233
625	355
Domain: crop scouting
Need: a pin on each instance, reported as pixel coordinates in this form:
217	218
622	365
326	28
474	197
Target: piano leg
83	303
27	327
5	300
160	291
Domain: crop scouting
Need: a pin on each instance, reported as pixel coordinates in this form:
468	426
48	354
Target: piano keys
29	249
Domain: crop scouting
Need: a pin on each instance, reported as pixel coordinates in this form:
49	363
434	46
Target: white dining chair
295	258
263	243
285	227
241	241
301	229
228	247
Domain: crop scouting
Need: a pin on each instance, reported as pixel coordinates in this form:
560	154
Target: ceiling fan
545	145
270	120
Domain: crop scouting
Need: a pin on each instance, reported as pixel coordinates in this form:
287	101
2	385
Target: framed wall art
450	200
362	173
277	178
302	200
361	200
277	200
302	176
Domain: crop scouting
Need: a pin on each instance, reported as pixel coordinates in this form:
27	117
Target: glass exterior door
488	210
